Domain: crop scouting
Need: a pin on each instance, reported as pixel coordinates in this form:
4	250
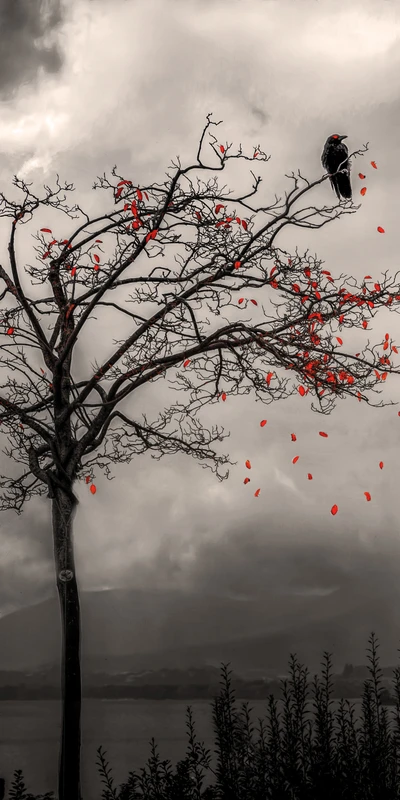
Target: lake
29	735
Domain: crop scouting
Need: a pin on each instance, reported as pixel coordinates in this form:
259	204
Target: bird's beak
342	137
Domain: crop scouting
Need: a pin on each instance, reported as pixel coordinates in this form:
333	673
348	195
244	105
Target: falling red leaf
237	264
93	489
46	230
363	191
222	148
361	176
301	390
309	476
247	464
263	422
398	413
246	480
10	331
334	510
380	229
295	459
186	363
381	465
96	258
373	164
254	302
223	396
294	437
244	224
257	492
367	496
339	340
322	433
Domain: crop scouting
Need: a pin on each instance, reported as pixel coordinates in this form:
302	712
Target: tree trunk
69	764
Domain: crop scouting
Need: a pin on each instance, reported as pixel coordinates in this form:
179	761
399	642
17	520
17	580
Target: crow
334	158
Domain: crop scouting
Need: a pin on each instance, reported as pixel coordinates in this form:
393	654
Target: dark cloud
27	29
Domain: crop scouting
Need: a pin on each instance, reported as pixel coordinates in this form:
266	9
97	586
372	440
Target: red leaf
10	331
271	375
380	229
368	277
257	492
334	510
240	301
254	302
361	176
367	496
294	437
373	164
263	422
223	396
341	318
322	433
244	224
198	215
46	230
218	208
222	148
237	264
99	240
146	195
339	340
255	154
96	267
296	287
365	324
123	183
73	271
363	191
139	194
246	480
186	363
93	489
238	220
309	476
317	295
398	413
381	465
96	258
247	464
394	348
118	193
377	287
87	479
295	459
301	390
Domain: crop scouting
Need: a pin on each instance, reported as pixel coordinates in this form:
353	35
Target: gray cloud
26	42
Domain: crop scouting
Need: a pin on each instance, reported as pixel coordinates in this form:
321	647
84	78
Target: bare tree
208	246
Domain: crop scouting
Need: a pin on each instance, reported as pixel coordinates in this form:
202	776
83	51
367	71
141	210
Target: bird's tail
344	185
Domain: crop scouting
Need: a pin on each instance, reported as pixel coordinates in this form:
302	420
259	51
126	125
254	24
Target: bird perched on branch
334	158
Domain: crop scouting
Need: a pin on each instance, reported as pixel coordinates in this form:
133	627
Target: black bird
334	157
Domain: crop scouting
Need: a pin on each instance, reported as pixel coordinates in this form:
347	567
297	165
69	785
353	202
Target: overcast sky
90	84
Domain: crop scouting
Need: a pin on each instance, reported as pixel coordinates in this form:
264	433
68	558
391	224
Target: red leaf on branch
263	423
46	230
146	195
118	193
124	183
254	302
87	479
186	363
367	496
10	331
96	258
247	464
380	229
373	164
240	301
244	224
257	492
222	148
295	287
139	194
334	510
394	348
341	318
301	390
363	191
237	264
223	396
100	241
93	489
218	208
73	271
365	324
268	378
339	340
246	480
